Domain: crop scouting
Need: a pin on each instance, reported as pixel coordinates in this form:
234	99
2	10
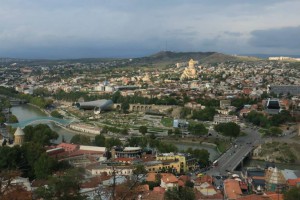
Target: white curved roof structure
102	104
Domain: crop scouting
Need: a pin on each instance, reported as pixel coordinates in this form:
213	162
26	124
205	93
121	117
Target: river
25	111
213	154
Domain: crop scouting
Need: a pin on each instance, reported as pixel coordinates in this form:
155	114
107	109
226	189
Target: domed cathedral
19	136
189	72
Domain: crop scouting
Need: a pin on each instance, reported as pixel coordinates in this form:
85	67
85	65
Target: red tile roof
159	189
293	182
203	179
274	196
232	189
169	178
68	147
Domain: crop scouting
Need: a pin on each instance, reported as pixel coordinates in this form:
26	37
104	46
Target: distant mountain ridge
160	58
168	57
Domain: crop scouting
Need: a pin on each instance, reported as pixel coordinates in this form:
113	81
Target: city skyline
132	28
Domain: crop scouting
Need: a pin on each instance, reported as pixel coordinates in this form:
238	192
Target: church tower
19	136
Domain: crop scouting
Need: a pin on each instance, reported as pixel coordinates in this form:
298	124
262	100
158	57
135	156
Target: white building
225	119
85	128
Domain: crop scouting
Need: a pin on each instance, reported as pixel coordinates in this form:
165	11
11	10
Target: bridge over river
46	119
235	156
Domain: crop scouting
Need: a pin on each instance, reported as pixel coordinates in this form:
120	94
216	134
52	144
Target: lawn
166	121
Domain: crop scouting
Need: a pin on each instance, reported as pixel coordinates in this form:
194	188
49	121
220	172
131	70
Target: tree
2	118
81	139
40	133
41	102
184	112
282	117
198	129
230	129
182	193
116	96
137	141
10	191
31	153
100	140
166	147
202	155
125	106
10	157
189	183
129	191
110	142
62	187
207	114
43	167
12	119
56	114
258	119
292	194
274	131
143	129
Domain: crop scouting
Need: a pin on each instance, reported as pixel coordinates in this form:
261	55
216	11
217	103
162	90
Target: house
232	189
225	119
169	181
293	182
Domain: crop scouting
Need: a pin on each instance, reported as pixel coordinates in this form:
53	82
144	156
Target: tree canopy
56	114
292	194
207	114
100	140
143	130
202	155
30	159
229	129
40	133
182	193
273	131
81	139
63	187
198	129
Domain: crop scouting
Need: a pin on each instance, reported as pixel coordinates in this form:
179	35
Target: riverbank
43	110
220	144
262	164
183	145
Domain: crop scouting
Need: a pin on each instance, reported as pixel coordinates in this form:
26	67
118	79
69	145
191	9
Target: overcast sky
131	28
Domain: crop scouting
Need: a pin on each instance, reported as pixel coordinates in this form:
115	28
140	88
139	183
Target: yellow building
187	162
162	166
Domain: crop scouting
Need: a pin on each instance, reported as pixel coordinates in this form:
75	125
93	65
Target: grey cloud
234	34
93	28
286	37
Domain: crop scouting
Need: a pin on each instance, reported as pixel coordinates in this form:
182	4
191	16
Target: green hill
168	57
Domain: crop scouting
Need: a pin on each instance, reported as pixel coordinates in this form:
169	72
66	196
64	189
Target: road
229	160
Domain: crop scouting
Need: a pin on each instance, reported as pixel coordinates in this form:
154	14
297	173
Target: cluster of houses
161	175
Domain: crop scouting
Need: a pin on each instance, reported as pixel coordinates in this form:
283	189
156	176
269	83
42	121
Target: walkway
22	124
